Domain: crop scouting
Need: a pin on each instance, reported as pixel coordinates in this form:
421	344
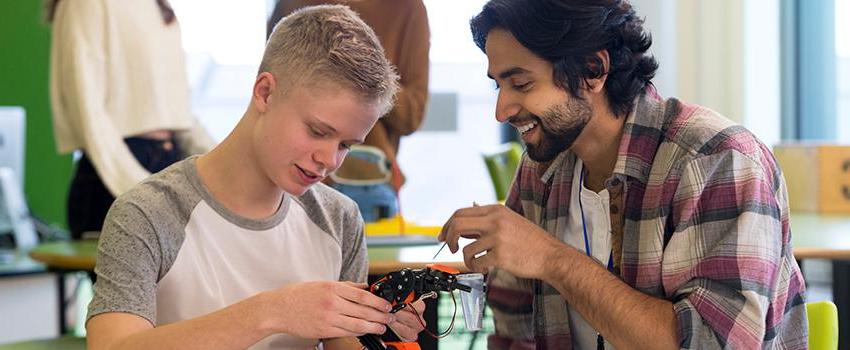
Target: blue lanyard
587	250
600	341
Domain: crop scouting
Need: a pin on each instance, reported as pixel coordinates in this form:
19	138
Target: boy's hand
327	309
407	325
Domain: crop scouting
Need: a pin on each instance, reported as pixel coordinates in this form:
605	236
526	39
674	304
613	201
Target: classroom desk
65	343
81	255
383	260
17	263
62	257
67	255
813	236
27	298
821	236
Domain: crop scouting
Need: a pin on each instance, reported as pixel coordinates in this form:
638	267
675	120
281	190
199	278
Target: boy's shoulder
171	190
333	212
322	201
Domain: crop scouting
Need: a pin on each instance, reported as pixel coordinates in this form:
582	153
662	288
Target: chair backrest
363	165
502	165
823	325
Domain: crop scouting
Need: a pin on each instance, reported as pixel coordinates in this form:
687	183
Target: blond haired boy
244	246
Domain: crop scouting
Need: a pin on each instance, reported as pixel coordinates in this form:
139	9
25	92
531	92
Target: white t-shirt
597	217
169	251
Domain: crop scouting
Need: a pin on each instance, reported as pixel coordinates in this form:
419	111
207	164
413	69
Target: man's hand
327	309
408	325
503	239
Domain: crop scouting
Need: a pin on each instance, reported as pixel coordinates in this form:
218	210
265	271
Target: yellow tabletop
398	225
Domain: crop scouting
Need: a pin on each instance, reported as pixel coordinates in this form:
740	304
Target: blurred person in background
120	95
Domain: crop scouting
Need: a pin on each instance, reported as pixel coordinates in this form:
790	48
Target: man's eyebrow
509	72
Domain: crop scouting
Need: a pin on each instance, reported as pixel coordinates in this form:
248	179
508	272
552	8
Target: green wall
24	66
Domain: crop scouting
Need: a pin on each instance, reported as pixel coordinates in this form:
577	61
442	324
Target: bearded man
634	221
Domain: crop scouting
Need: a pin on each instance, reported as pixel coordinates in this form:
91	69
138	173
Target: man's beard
561	125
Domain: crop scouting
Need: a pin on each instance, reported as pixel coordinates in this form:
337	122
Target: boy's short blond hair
330	44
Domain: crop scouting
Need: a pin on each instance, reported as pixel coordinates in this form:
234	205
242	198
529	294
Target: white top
221	263
597	216
169	251
117	70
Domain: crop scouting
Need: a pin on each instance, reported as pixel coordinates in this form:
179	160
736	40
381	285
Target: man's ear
595	85
264	86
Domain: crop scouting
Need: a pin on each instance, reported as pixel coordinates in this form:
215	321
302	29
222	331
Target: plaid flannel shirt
699	216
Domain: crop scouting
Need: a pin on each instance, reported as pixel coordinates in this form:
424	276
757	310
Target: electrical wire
444	333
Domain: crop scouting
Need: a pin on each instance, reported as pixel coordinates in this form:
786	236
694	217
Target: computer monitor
15	218
12	138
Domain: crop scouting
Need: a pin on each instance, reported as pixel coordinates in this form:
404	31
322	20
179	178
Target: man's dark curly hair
569	33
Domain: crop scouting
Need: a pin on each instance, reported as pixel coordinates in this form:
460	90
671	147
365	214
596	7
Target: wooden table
64	342
67	255
62	257
813	237
820	236
383	260
28	297
81	255
16	263
817	236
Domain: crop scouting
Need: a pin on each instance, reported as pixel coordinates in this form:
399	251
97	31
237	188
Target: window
815	70
224	42
842	50
444	169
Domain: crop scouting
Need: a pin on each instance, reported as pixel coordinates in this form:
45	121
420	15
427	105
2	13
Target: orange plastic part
403	346
443	268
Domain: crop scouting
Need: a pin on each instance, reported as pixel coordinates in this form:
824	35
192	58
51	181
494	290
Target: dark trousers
88	198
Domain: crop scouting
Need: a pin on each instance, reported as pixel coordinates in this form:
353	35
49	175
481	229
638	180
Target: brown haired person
402	28
244	247
635	221
119	94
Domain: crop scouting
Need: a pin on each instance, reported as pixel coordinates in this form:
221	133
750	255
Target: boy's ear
264	86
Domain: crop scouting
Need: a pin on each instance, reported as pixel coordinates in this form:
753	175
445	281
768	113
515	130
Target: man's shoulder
693	133
701	131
